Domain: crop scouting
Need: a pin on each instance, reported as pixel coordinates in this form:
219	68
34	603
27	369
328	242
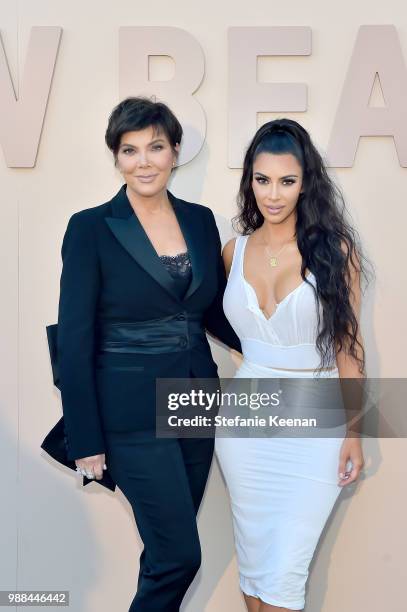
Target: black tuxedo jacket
112	274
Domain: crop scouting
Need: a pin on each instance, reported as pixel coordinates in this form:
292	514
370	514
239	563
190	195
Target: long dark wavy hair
329	245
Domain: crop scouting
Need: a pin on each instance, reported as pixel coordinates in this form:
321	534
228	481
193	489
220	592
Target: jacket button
183	342
181	317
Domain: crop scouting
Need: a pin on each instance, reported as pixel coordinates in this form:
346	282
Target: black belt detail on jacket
178	332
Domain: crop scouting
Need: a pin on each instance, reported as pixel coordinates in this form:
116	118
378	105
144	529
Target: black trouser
164	480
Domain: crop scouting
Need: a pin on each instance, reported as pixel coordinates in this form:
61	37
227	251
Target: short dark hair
138	113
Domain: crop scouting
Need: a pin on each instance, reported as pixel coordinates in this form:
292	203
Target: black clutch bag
55	442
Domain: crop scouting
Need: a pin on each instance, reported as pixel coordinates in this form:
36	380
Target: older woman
142	280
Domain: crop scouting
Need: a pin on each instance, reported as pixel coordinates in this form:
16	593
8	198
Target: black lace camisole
179	267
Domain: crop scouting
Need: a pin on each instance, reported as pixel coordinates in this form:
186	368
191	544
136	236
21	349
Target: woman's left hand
351	450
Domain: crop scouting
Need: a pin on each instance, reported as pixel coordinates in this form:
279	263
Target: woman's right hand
94	464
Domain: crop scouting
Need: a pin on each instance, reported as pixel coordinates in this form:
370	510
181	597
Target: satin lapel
192	228
130	233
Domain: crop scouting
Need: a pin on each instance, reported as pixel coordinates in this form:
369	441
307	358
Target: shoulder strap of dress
237	254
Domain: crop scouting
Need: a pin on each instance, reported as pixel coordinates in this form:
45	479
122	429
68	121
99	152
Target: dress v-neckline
252	289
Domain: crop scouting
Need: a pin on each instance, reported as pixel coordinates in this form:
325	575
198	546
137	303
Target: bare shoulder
227	254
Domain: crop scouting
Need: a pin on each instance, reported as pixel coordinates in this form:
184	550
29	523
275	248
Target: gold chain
273	259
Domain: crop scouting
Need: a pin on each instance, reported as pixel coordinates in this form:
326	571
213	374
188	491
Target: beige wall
53	535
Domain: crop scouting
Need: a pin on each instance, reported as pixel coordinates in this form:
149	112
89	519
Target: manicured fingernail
105	467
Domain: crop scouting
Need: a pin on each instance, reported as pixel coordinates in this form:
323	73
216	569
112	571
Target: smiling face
277	183
145	158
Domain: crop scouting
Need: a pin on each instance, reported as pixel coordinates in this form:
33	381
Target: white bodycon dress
282	489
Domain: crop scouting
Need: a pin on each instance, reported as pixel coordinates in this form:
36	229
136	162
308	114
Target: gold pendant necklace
273	259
